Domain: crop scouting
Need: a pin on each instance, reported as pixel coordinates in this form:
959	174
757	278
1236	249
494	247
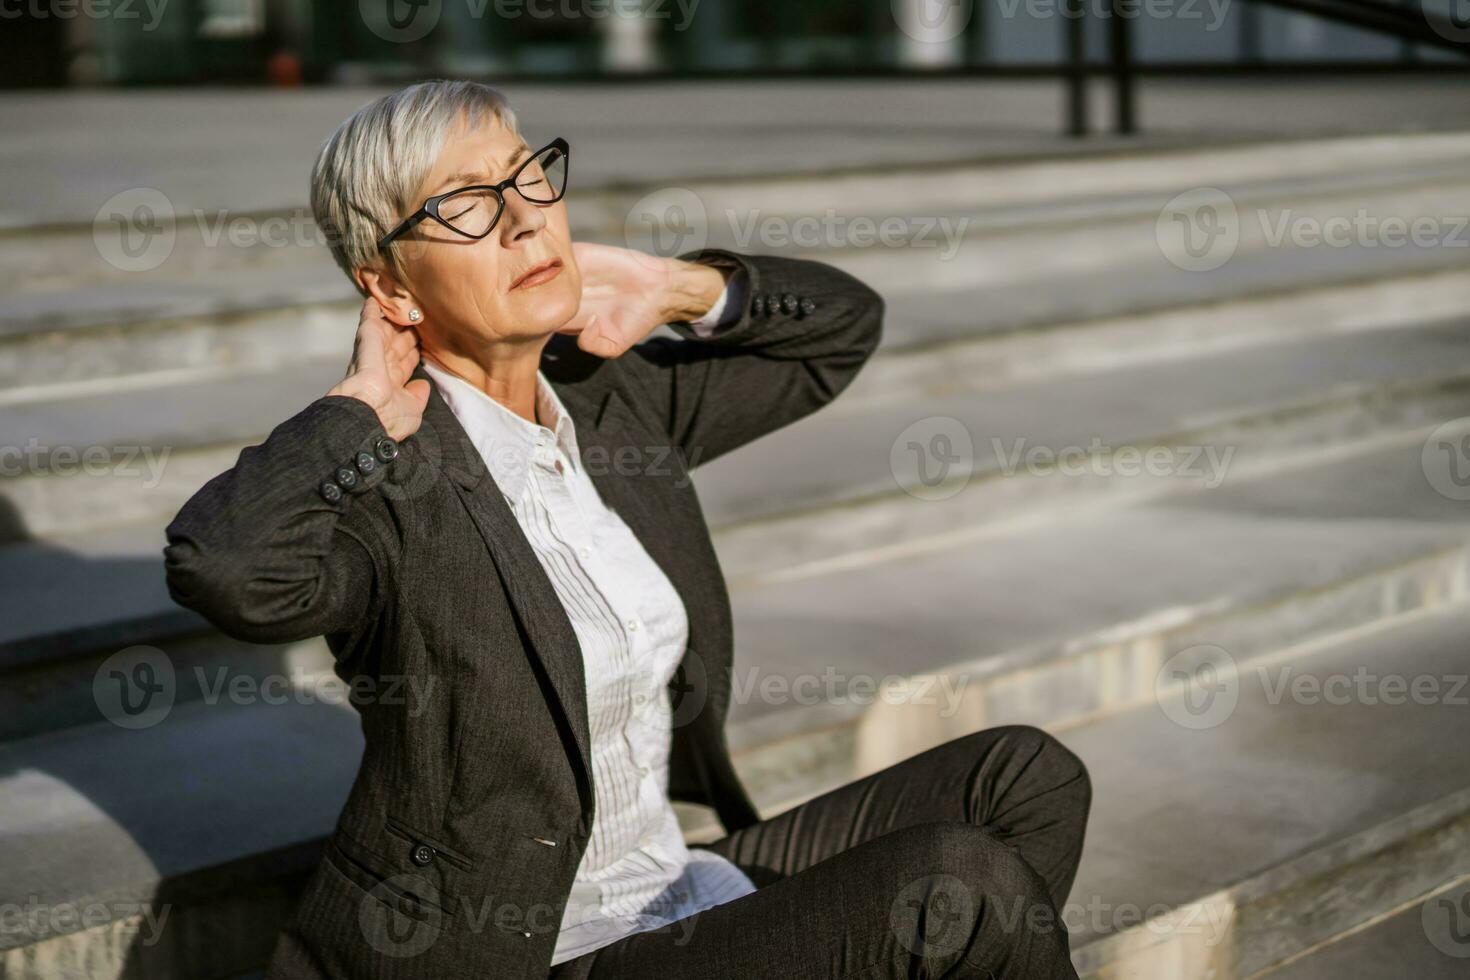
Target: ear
392	295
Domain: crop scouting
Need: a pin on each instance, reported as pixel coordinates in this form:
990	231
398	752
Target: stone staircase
1169	487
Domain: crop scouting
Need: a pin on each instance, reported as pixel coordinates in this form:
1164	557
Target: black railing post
1122	57
1074	13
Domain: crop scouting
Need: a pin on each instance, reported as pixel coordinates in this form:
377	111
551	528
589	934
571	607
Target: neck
505	371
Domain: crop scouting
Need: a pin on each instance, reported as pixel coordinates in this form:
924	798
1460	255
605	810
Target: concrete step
149	446
976	251
1426	940
1249	817
1279	566
840	665
208	233
168	850
157	835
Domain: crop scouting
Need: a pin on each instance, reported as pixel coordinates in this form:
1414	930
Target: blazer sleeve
804	330
265	554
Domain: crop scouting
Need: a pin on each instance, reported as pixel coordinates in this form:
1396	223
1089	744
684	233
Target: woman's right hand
383	358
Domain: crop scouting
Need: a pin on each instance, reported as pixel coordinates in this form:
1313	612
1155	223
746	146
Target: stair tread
1398	946
840	453
1094	573
104	811
1248	541
1285	779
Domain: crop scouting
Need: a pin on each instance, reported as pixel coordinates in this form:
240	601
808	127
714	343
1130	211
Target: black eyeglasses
473	211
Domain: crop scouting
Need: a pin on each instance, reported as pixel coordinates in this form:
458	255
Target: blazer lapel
553	640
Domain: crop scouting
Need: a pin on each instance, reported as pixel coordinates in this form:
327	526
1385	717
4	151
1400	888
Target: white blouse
637	873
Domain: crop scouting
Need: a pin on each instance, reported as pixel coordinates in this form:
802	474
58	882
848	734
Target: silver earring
415	315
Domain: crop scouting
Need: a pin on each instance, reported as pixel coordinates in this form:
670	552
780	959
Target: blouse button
632	624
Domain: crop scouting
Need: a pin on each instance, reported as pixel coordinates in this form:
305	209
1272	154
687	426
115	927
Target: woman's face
467	288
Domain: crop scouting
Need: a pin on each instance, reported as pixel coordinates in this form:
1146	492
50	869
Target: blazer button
366	463
788	303
387	449
330	491
347	478
808	307
422	854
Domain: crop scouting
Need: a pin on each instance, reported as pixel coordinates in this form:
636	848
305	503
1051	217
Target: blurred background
1166	450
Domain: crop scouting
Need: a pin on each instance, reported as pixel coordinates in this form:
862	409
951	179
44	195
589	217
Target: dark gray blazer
459	840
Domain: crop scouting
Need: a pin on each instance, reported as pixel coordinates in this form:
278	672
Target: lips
538	273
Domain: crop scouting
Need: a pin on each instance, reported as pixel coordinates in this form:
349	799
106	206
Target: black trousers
953	863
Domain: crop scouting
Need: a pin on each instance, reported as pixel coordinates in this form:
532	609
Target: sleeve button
788	303
366	463
387	449
758	305
807	306
773	303
346	477
330	491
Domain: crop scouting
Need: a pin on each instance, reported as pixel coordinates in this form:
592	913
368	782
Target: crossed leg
952	863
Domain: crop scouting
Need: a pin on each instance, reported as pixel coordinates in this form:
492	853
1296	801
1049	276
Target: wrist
350	388
692	289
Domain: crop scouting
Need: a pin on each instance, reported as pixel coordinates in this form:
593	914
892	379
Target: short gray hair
367	171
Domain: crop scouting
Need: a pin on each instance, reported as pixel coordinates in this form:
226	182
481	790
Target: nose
521	219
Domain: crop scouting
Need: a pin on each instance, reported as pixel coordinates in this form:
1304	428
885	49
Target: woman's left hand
627	294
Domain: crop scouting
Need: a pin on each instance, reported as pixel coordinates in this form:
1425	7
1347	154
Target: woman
490	520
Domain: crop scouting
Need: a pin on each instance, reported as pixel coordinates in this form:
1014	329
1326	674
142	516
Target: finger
596	340
403	365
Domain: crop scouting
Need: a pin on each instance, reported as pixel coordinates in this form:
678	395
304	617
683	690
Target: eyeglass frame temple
508	183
